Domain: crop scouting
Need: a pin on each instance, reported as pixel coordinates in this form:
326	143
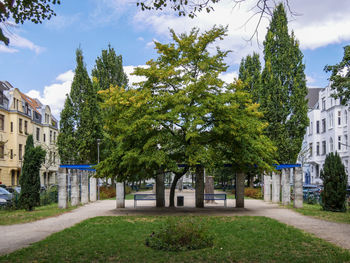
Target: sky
40	59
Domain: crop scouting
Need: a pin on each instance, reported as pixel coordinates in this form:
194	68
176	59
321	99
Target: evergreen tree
80	118
30	176
250	74
334	181
284	89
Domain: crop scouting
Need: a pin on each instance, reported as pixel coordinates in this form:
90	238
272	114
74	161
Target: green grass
11	217
317	212
237	239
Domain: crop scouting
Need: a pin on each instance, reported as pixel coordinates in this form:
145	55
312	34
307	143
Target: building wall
328	132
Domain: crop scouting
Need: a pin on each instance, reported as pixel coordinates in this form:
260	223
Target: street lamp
98	161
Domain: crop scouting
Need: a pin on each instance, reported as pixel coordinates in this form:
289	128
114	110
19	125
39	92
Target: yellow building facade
20	116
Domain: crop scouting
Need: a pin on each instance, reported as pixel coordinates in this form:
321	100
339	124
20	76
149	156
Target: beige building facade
20	116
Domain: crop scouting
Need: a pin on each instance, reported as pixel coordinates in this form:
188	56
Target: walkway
18	236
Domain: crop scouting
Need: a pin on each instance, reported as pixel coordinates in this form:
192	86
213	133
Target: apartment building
328	131
20	116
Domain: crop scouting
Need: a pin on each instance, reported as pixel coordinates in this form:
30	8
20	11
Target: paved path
18	236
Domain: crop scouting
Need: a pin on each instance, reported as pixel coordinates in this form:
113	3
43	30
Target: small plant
181	234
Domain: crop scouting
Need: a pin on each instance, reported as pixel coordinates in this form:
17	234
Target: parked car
5	195
14	190
310	190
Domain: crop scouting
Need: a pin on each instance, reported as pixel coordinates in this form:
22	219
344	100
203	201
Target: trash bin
180	200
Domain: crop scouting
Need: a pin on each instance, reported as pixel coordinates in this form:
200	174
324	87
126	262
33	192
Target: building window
50	157
317	171
11	154
44	135
50	136
54	158
345	119
339	118
2	151
2	122
38	134
317	126
20	152
54	136
310	149
331	144
346	164
323	103
20	126
317	148
346	141
25	127
339	142
330	118
11	126
323	125
323	147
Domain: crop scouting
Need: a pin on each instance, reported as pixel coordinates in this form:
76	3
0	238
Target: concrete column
199	187
93	189
276	187
62	188
160	190
120	195
267	188
209	187
285	181
84	187
298	187
75	195
240	179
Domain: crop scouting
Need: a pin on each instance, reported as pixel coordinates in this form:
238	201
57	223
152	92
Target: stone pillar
120	195
199	187
179	184
267	188
209	187
84	187
62	188
240	179
285	181
93	189
298	187
75	195
276	187
160	190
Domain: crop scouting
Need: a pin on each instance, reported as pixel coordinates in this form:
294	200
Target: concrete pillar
276	187
240	179
84	187
267	188
179	184
75	195
120	195
298	187
209	187
62	188
285	181
93	189
160	190
199	187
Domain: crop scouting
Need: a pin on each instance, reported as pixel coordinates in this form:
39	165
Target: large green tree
80	126
340	78
284	88
25	10
183	114
30	175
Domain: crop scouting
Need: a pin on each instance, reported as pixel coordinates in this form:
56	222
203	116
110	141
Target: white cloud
23	43
54	95
5	49
60	22
228	77
310	79
140	39
132	78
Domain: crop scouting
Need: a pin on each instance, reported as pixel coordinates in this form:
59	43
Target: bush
127	189
253	193
49	196
180	234
107	192
334	181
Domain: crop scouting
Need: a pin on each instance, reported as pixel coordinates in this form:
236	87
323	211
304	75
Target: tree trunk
172	190
199	187
160	191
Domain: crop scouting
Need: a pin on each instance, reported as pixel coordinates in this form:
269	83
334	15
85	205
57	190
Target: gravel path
14	237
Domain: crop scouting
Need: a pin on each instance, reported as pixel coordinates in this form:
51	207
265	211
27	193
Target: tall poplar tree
80	118
250	74
284	88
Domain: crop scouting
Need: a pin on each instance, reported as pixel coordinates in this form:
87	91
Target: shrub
334	181
127	189
253	193
49	196
107	192
180	234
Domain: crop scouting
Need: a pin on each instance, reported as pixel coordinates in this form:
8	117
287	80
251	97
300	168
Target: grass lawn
237	239
11	217
316	211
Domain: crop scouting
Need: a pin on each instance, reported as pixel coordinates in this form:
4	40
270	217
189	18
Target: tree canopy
25	10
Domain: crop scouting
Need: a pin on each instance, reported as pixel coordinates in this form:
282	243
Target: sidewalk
14	237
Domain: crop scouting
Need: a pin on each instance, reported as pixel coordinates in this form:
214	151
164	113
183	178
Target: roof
4	85
32	102
312	96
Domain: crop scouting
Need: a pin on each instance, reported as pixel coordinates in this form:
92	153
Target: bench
213	197
143	197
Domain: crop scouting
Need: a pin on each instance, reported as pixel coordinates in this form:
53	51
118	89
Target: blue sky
41	58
